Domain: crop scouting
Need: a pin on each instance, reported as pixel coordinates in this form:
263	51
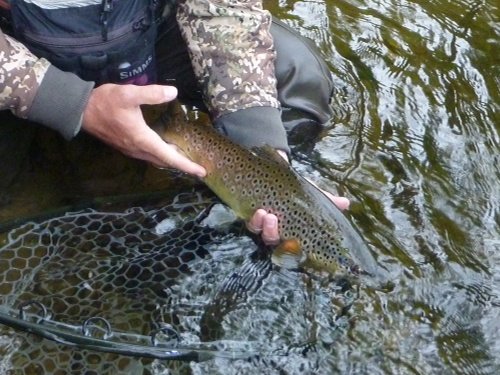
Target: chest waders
106	41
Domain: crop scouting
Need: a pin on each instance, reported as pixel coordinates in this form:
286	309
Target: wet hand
114	116
266	224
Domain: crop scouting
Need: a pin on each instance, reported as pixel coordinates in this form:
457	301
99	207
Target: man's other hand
266	224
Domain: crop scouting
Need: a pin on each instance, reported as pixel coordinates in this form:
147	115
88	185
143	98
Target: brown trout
312	229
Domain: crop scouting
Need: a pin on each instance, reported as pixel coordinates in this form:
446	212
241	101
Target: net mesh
172	282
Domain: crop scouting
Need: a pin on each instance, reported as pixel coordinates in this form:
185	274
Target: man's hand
113	115
266	224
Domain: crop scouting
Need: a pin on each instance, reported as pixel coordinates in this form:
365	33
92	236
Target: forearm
233	58
34	89
231	51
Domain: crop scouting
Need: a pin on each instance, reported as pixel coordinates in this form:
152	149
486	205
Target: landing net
179	281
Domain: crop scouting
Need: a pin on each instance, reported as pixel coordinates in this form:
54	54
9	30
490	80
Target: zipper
107	7
81	43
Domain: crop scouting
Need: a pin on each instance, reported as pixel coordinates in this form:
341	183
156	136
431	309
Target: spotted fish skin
247	180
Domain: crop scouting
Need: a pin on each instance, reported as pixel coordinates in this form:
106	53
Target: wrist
255	127
60	102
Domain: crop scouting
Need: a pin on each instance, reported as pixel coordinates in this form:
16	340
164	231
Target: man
218	55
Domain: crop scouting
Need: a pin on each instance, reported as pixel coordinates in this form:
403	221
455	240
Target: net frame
96	333
112	341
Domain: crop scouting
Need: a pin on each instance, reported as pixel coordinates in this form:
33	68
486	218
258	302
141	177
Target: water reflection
415	144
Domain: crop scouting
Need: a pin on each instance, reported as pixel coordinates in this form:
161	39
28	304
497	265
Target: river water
414	144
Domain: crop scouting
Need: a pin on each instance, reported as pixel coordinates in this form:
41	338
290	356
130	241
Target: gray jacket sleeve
255	126
60	102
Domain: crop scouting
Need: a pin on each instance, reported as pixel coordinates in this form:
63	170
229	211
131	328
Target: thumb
153	94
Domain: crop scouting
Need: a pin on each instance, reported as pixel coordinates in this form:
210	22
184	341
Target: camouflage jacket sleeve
232	54
34	89
20	76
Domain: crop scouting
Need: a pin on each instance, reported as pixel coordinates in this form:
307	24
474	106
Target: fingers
113	115
270	233
150	94
256	222
149	146
168	155
265	224
159	152
341	202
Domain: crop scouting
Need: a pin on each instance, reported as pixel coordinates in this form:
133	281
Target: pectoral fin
288	254
267	152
